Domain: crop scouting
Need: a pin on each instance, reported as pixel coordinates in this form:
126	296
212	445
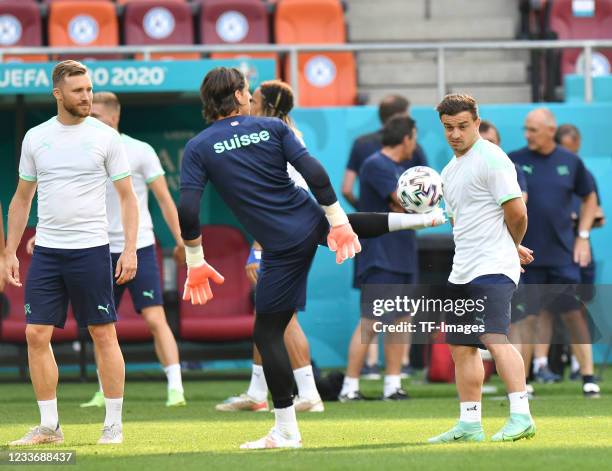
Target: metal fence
440	48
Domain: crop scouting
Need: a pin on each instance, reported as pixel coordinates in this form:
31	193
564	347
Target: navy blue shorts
379	276
145	288
281	285
82	277
552	288
482	306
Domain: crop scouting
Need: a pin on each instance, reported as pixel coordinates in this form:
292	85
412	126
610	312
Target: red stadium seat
229	316
159	22
567	26
13	326
20	26
325	79
234	22
81	23
131	327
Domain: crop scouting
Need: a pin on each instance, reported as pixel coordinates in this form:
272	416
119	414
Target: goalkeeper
246	159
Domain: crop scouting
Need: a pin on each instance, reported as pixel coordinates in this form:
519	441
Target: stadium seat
325	79
229	316
159	22
131	327
568	26
309	21
20	26
234	22
13	326
79	23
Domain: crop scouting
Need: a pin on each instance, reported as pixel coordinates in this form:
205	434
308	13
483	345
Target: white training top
72	165
145	168
475	186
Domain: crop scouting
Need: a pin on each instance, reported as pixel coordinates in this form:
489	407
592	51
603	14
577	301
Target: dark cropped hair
566	130
456	103
392	105
396	129
218	92
486	125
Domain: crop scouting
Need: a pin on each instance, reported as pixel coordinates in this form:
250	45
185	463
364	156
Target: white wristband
194	256
335	215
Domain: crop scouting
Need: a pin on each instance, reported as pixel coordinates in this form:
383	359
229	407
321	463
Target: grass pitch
573	432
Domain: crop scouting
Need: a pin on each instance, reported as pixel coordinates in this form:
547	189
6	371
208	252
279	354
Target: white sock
48	413
286	422
99	381
304	378
113	411
173	373
350	385
470	412
539	362
392	384
519	403
575	365
403	221
258	388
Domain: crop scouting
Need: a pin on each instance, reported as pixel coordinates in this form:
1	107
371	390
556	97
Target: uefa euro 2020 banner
132	76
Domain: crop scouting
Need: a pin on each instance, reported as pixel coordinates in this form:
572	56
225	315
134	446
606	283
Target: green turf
573	432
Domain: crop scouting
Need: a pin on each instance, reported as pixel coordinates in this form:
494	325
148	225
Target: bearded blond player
69	159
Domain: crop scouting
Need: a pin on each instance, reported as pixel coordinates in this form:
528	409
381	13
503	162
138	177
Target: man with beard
70	158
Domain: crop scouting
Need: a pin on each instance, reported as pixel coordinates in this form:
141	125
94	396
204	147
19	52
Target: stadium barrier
293	50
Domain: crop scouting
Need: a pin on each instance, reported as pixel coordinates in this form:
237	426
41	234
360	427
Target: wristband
335	215
194	256
254	256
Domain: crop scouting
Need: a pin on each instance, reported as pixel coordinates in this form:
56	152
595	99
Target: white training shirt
475	186
72	165
145	168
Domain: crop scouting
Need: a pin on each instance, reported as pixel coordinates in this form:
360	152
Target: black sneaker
352	396
398	395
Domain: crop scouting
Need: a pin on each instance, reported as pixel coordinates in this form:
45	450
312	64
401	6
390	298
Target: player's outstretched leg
367	225
44	374
167	352
269	338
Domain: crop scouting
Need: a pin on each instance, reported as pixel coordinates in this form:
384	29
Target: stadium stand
229	316
568	24
325	79
20	26
413	74
157	22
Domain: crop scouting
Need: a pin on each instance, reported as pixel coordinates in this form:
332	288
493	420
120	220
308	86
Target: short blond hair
67	68
108	99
